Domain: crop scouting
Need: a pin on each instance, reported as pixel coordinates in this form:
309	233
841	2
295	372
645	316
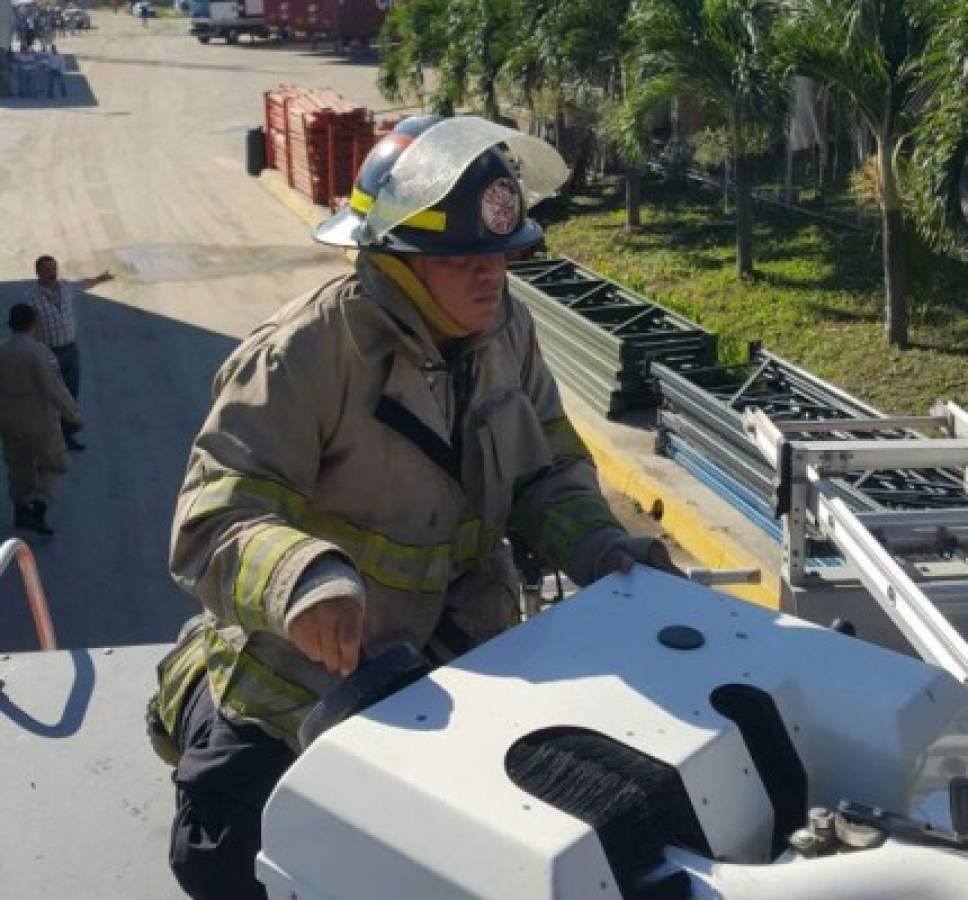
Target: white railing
16	549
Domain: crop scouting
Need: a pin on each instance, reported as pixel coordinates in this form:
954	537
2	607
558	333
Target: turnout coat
339	427
33	398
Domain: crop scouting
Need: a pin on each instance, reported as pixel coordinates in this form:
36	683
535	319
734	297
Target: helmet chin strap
406	279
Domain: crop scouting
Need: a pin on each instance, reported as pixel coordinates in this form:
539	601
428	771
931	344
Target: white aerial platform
411	799
85	805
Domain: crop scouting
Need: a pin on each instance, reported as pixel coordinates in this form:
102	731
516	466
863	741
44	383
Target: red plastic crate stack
275	127
318	139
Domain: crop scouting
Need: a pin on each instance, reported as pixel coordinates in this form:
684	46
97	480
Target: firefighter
368	450
33	398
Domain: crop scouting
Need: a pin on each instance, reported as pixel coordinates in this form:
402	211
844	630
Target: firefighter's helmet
441	186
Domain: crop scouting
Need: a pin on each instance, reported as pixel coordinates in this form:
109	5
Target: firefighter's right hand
330	632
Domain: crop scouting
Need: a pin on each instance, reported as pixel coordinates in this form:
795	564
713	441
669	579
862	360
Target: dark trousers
69	363
56	77
223	780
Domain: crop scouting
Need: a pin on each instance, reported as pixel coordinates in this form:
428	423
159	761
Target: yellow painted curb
274	182
714	547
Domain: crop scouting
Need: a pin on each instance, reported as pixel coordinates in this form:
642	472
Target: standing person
6	73
368	449
56	67
54	301
144	11
26	63
33	400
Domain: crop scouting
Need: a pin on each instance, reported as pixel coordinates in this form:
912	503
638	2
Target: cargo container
339	21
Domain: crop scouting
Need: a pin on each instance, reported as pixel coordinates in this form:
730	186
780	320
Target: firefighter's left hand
624	554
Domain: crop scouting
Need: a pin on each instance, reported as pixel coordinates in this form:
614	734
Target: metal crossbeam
857	455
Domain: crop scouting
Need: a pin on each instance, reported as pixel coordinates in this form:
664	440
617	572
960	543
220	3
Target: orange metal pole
36	599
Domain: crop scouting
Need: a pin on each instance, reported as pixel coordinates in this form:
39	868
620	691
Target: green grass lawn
817	300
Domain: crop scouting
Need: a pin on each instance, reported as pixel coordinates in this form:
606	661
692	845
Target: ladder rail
15	549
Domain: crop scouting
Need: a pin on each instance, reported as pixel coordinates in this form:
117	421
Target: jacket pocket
513	450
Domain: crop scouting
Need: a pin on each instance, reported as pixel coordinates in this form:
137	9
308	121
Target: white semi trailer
227	19
8	24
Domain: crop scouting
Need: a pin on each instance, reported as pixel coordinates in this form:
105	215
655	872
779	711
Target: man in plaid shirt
54	301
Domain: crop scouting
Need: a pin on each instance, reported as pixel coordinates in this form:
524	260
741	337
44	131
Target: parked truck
228	19
341	22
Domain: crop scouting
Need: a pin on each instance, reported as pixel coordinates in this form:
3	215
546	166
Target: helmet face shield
429	168
448	186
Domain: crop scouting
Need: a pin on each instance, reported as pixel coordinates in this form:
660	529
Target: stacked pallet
318	139
701	418
599	337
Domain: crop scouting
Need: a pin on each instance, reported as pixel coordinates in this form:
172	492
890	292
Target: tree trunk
743	200
491	111
823	139
788	168
892	244
633	200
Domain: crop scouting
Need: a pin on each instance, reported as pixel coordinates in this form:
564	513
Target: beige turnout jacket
332	432
33	396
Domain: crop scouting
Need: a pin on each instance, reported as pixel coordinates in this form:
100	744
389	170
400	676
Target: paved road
140	171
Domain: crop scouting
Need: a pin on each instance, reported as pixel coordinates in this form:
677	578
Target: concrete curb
696	518
275	183
699	521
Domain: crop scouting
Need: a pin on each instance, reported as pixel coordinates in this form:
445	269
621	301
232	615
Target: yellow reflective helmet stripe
360	201
406	279
425	220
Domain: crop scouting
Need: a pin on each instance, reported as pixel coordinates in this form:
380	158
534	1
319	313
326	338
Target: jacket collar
412	329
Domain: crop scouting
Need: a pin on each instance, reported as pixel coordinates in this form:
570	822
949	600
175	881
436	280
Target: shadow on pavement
145	390
79	93
72	716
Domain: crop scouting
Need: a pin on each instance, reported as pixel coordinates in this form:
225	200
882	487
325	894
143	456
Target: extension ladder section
913	560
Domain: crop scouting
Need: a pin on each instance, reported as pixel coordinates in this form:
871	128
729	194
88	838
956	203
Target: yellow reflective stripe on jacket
244	685
563	440
177	672
404	567
566	523
239	491
260	556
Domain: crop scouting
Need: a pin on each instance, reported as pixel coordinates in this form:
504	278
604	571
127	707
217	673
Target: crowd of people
36	68
40	380
33	73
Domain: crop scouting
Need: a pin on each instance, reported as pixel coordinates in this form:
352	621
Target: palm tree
941	154
413	39
575	52
627	123
720	52
870	50
483	34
